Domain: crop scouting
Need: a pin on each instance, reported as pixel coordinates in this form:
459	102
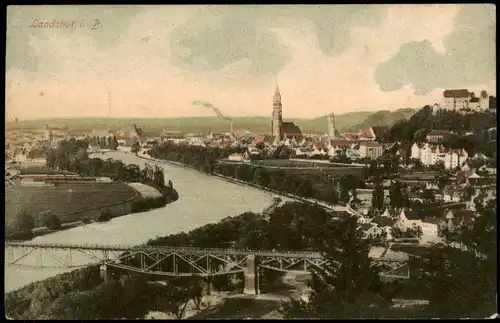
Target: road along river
203	199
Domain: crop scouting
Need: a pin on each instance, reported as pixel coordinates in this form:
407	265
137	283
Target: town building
80	134
373	133
455	219
237	157
310	133
372	150
438	136
430	154
409	219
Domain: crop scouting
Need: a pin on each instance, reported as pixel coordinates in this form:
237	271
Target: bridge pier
252	276
104	272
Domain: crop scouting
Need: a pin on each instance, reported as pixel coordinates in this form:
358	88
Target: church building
281	130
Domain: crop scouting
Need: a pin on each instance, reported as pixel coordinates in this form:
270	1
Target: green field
61	201
344	122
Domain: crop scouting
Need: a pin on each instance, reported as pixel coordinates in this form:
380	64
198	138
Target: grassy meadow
62	199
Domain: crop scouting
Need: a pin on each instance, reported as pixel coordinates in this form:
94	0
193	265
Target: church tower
277	118
331	126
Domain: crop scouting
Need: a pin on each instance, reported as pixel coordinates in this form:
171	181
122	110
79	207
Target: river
202	200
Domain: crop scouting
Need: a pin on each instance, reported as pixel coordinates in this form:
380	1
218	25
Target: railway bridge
180	261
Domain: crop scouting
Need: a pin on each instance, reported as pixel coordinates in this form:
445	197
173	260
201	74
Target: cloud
469	57
30	49
222	36
330	57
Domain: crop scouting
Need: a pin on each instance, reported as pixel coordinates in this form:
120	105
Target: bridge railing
124	248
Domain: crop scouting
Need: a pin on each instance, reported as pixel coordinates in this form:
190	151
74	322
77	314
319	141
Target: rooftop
462	93
382	253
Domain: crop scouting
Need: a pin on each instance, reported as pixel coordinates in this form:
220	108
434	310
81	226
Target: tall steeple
277	118
277	96
331	126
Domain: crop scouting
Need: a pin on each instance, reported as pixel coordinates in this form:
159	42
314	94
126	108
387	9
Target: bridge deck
191	250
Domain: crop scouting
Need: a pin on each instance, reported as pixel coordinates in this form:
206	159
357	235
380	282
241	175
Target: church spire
277	95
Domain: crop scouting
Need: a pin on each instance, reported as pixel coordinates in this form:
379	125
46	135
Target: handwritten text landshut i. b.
65	24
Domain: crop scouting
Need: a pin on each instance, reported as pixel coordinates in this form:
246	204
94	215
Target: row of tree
307	184
200	158
82	294
109	142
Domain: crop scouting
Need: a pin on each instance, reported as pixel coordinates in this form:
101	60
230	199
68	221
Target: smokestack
231	126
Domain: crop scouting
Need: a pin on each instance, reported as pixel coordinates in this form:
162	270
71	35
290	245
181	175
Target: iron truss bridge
174	261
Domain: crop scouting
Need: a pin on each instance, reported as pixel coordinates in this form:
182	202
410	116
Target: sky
153	61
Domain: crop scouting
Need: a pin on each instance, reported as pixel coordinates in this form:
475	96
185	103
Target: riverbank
146	198
248	184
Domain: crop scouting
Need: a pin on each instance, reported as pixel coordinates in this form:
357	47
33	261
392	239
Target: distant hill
384	118
424	120
344	122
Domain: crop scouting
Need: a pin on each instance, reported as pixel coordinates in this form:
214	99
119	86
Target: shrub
25	222
52	221
106	215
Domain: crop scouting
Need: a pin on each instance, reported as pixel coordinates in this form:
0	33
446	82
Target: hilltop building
281	130
463	99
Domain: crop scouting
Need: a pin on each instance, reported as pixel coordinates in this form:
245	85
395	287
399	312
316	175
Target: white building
94	148
430	154
236	157
456	99
463	99
372	150
408	220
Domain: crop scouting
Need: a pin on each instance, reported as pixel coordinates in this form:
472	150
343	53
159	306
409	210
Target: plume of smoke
210	106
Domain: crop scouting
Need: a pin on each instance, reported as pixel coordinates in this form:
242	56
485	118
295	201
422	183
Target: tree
135	147
428	196
344	187
397	195
378	195
113	145
419	135
348	284
442	179
106	215
176	296
260	146
52	221
25	221
50	158
195	290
